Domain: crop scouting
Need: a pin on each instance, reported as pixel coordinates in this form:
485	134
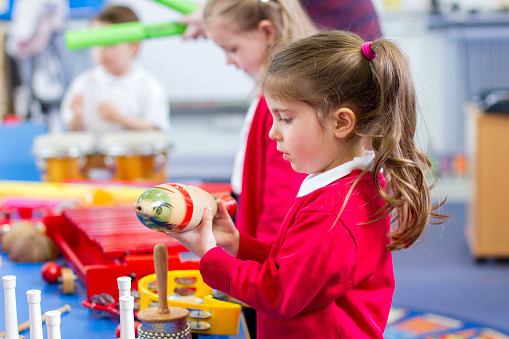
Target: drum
63	156
136	155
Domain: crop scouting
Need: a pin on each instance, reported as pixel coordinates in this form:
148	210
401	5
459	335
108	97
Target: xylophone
103	243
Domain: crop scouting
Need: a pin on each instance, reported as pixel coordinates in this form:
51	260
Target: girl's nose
274	133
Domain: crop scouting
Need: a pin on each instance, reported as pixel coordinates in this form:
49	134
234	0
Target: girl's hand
201	239
194	28
225	232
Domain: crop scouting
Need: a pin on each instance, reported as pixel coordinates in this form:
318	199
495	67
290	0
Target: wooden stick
26	325
161	268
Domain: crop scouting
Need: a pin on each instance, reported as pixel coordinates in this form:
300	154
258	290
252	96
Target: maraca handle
161	268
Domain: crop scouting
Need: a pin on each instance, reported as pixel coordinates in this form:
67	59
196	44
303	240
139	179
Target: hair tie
366	50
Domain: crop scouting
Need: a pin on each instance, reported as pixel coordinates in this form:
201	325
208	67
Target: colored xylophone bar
117	231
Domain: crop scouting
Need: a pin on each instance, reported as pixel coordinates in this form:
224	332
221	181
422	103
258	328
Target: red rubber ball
230	203
50	272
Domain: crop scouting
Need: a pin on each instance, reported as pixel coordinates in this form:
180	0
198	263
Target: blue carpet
410	324
440	275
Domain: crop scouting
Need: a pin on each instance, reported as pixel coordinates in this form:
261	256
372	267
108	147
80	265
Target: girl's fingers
207	217
221	210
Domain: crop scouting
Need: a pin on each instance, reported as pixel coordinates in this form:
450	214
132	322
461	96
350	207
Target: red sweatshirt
269	184
321	278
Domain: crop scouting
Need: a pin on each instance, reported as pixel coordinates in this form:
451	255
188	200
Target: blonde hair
287	16
329	70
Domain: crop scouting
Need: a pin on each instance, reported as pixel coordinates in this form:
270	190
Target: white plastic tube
53	324
126	317
34	313
11	317
124	286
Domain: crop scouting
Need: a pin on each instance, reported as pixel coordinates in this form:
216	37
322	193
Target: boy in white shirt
116	94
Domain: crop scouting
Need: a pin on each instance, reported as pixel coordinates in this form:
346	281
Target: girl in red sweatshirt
344	112
250	32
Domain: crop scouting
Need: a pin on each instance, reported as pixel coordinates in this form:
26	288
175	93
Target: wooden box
488	213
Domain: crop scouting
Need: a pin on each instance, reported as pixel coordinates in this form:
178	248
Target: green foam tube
183	6
117	33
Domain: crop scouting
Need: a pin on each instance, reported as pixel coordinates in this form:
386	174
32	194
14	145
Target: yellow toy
212	317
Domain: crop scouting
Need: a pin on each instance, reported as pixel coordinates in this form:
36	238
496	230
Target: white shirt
136	94
238	165
316	181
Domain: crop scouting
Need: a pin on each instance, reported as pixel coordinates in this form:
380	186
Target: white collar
316	181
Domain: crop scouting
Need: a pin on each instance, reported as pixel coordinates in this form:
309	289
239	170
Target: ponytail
403	163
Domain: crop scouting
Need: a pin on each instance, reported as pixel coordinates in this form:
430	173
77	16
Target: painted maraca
177	207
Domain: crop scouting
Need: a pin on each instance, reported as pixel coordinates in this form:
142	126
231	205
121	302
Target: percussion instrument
163	321
136	155
177	207
63	156
208	316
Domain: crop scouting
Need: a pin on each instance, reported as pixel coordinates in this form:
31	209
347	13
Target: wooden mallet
163	321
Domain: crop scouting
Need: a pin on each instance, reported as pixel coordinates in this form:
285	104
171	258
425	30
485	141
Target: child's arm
312	269
194	28
109	112
76	122
72	107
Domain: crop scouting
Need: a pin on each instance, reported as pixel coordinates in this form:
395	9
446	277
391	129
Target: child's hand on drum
109	112
201	239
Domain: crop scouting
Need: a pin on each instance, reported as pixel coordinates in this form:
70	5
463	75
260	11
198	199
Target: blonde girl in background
345	113
250	32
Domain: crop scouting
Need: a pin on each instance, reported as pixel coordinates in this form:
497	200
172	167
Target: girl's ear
267	28
343	122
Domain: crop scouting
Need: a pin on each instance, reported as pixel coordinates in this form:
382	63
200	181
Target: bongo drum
63	156
135	155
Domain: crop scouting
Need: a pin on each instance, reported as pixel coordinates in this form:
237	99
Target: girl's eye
285	120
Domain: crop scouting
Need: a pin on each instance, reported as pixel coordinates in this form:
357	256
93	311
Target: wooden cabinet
488	220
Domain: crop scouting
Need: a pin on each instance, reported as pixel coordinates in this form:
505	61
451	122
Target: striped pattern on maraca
173	207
